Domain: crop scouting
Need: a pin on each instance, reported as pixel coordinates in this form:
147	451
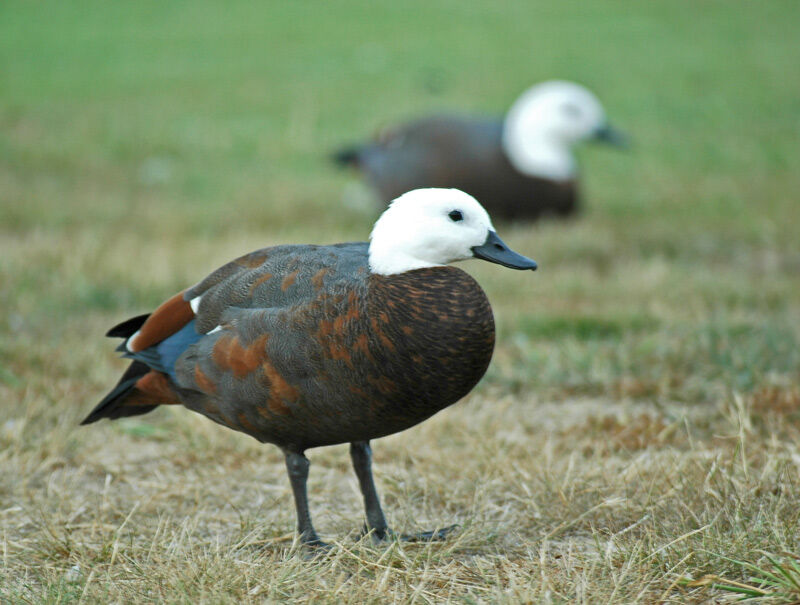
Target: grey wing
244	362
432	152
276	277
267	371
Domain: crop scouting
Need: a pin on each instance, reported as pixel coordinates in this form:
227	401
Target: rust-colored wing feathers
167	319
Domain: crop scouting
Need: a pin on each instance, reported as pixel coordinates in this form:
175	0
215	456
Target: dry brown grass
582	500
611	454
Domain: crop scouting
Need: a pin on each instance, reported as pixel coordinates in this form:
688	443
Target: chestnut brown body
351	363
308	348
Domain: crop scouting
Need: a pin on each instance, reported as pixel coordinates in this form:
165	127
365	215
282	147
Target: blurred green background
143	144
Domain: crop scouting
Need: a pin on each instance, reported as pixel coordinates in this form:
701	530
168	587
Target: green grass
636	437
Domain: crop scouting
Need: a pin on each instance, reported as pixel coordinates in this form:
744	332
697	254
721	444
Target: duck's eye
456	216
573	111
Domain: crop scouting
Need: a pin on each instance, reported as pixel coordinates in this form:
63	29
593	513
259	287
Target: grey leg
361	454
297	465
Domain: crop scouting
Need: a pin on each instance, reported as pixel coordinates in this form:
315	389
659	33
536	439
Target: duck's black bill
611	136
495	251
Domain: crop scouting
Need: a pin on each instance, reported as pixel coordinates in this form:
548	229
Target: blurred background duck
520	167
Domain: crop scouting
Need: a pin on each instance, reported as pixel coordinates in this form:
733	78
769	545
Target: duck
521	167
304	346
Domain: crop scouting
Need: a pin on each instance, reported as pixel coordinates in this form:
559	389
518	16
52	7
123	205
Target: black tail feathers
347	156
128	327
113	405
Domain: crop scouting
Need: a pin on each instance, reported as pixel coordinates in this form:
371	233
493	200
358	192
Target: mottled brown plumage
349	363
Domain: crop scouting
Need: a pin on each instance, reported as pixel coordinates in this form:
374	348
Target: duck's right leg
361	454
297	466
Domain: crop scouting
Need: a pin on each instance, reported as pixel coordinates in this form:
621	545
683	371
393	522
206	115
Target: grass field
637	437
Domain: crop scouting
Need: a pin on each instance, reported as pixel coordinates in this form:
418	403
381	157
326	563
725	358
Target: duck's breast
433	333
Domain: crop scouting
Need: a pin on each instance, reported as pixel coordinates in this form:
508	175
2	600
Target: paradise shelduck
305	345
520	167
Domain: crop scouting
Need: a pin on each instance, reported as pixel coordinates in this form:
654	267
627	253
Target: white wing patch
195	304
129	342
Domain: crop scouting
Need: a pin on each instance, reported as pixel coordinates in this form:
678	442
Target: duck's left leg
361	454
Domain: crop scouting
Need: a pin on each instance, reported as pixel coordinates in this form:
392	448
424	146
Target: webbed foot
434	535
386	535
314	549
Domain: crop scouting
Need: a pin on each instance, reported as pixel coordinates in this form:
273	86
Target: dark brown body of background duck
521	167
461	152
305	346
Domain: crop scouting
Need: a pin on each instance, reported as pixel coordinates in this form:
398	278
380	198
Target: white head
433	227
545	122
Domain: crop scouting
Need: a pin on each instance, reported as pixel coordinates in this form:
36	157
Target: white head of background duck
519	167
304	345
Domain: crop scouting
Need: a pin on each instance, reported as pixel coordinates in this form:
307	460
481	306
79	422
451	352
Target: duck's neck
384	261
539	155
